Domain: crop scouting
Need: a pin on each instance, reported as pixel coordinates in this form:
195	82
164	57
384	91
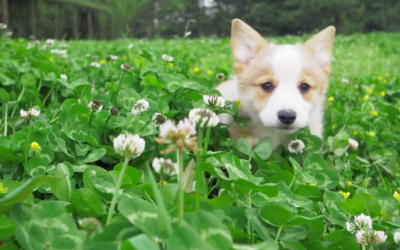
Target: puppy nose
287	116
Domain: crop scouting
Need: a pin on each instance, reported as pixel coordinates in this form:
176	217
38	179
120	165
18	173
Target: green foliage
254	197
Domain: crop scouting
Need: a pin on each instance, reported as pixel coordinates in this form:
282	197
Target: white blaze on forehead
287	64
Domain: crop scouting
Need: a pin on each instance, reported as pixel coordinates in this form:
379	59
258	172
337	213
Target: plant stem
119	86
91	118
249	224
27	146
116	192
108	118
199	173
206	140
383	179
5	120
110	71
278	234
165	65
180	188
163	213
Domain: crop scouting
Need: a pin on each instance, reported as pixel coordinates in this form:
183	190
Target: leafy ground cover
62	177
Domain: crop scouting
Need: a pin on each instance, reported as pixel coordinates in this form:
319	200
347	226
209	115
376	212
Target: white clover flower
370	237
396	237
214	101
165	166
353	144
203	117
95	106
167	128
141	106
167	58
50	42
362	237
31	113
62	52
95	64
159	119
125	67
64	77
351	227
9	33
177	136
344	80
130	146
3	26
114	58
186	127
363	222
296	146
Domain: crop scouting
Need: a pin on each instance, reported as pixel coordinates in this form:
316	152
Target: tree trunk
90	24
4	8
75	29
150	21
56	24
33	18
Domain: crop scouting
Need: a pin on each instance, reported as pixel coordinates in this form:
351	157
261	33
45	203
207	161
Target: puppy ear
320	46
245	42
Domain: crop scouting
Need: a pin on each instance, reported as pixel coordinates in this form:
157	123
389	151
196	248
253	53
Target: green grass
59	197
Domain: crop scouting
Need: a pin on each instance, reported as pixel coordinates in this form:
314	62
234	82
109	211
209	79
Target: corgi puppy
281	88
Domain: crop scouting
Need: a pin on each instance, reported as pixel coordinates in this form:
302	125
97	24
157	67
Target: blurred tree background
111	19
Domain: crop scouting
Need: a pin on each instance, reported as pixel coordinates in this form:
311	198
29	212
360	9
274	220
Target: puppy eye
304	88
267	86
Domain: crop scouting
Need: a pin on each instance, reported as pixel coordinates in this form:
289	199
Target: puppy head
280	85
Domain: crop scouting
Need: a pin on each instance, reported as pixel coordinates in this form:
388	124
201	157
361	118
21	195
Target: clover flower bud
95	106
296	146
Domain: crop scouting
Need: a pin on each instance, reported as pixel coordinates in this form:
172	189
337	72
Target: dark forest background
111	19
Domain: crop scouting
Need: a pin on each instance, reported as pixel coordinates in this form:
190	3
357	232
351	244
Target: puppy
281	88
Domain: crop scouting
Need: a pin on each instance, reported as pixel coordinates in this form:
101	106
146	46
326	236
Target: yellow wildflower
51	59
380	78
35	146
349	183
384	81
369	90
374	113
387	75
313	184
382	93
209	72
3	190
171	64
396	195
102	61
331	99
345	195
365	98
196	69
371	133
238	103
355	132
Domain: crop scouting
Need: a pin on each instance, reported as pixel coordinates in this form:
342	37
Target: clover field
59	171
